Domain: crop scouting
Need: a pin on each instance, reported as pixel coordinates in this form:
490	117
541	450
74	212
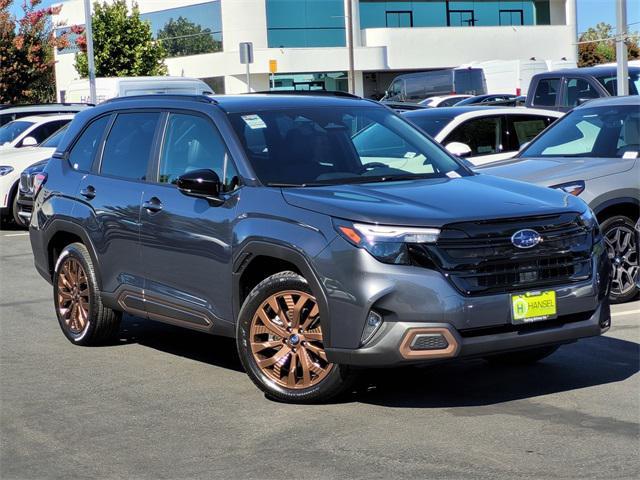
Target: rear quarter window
84	150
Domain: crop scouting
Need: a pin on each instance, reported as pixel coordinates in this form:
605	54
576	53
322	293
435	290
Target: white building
308	38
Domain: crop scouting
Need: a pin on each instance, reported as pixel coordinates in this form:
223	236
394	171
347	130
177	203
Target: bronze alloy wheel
286	340
73	295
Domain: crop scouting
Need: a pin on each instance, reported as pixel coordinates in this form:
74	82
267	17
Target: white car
482	134
31	131
12	163
443	101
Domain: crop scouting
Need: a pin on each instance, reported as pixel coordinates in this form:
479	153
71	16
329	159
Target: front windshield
11	131
329	145
606	132
54	140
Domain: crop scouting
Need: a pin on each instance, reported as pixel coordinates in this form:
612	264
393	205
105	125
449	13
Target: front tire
83	318
280	343
620	241
19	221
522	357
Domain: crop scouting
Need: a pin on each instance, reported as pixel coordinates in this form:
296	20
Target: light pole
352	73
91	63
622	72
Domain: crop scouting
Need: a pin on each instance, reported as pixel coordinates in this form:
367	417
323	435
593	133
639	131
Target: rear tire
273	339
620	241
522	357
82	316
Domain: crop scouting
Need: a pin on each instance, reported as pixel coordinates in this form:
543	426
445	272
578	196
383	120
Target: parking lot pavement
169	403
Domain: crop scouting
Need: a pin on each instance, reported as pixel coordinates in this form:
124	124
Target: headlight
574	188
5	169
388	244
588	219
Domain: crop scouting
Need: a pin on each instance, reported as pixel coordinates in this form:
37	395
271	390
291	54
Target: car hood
23	157
432	202
554	170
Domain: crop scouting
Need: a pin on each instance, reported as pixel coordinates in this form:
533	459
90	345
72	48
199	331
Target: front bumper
410	298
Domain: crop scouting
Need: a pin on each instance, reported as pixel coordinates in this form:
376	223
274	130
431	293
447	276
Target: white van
110	87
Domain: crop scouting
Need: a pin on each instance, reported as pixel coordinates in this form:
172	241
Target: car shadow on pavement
201	347
461	383
468	383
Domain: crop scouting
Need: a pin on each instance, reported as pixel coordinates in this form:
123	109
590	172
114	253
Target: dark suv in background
268	219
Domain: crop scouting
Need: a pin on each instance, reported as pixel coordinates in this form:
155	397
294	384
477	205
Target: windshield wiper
285	185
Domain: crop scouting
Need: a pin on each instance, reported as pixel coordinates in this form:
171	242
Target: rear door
186	241
113	192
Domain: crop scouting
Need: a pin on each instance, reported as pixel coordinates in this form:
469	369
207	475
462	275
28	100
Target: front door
186	241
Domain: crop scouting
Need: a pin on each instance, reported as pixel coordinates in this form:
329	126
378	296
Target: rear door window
482	135
546	92
127	150
83	152
44	131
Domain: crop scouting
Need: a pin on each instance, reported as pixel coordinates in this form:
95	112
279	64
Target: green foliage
123	44
604	49
26	54
183	37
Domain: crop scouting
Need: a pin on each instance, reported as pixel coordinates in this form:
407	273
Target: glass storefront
305	23
329	81
188	30
452	13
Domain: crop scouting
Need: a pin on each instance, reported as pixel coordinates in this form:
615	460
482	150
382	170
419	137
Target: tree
26	53
602	47
183	37
123	44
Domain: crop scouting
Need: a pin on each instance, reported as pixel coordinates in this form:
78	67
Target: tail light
38	181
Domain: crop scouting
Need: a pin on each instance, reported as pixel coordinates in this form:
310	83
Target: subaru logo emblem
526	238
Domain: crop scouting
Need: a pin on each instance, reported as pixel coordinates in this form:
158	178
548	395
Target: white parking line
16	234
630	312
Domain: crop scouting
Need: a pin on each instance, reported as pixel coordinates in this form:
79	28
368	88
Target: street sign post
90	60
246	58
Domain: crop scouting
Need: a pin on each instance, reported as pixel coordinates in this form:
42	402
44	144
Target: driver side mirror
459	149
203	183
29	142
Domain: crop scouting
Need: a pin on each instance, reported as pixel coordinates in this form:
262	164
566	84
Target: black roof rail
165	96
330	93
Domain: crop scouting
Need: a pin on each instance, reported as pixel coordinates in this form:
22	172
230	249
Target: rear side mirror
203	184
29	142
459	149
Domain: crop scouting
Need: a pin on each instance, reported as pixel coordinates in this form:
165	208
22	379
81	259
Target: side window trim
154	173
97	158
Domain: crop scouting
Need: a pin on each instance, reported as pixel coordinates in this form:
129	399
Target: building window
461	18
191	30
511	17
329	81
399	19
305	23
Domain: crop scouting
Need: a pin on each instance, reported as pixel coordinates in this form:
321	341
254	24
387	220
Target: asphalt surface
170	403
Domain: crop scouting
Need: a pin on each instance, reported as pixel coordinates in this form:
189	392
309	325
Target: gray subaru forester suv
324	232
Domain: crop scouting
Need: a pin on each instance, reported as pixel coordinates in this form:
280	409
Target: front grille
479	258
429	341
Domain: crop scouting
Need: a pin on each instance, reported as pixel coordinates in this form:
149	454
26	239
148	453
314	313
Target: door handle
89	192
154	205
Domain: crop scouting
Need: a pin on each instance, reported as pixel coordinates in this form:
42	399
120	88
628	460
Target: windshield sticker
453	174
254	122
410	154
630	155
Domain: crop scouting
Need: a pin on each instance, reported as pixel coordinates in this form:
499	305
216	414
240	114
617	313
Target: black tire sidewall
19	221
78	252
330	386
605	226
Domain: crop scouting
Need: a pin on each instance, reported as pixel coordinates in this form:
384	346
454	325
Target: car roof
53	108
453	112
592	71
51	117
251	102
612	101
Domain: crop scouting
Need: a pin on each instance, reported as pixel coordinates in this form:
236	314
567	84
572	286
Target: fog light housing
371	326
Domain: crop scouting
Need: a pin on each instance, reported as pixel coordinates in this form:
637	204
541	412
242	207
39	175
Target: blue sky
590	12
